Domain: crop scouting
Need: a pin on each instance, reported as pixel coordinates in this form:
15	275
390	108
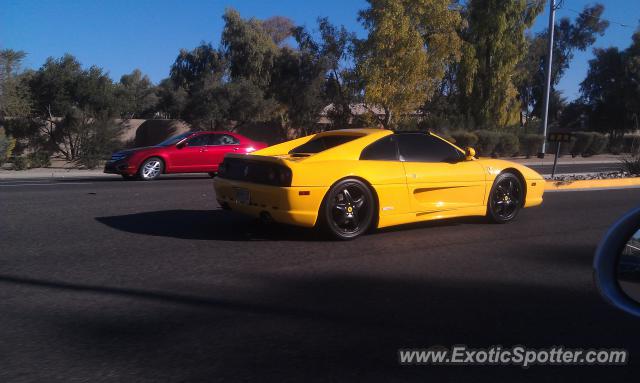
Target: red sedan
191	152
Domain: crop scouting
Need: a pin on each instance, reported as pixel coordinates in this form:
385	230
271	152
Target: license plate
243	196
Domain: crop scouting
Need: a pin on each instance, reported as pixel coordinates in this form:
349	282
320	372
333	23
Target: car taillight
285	176
255	171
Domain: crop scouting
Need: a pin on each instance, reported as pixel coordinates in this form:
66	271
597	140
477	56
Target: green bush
90	161
508	145
632	164
463	138
598	144
530	144
7	144
20	163
39	159
487	142
582	142
631	143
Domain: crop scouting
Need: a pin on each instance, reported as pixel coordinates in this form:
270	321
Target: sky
122	35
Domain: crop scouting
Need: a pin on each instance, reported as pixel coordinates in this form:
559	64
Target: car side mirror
469	153
617	264
181	144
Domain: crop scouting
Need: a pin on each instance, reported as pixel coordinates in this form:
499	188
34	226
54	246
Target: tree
229	86
335	49
297	84
610	90
568	37
137	95
409	45
632	67
495	43
171	99
279	28
192	68
15	100
248	49
72	105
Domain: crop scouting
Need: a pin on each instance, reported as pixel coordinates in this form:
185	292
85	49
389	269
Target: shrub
508	145
631	143
632	164
7	144
530	144
39	159
463	138
598	143
99	141
20	163
582	142
91	161
487	142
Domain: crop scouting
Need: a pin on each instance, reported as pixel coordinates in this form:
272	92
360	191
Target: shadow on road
219	225
224	225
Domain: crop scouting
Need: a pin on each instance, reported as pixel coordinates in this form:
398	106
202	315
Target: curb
614	183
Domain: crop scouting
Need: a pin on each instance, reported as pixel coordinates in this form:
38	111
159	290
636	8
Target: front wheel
151	169
506	198
347	210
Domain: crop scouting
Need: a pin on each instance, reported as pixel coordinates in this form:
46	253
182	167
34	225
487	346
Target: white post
547	85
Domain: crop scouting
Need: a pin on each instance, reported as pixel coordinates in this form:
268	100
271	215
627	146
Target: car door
439	178
383	168
219	144
190	157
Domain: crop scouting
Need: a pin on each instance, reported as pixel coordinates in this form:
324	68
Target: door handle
236	148
203	150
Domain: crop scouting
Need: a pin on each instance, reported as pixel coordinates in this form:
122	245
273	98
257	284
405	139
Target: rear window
385	149
319	144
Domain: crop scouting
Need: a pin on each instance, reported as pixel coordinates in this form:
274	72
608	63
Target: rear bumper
283	204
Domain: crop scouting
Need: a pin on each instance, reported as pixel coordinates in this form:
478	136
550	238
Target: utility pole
547	85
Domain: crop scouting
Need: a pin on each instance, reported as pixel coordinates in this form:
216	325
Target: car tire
347	210
505	199
151	169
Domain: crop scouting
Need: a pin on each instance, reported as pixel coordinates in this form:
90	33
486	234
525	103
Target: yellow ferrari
349	181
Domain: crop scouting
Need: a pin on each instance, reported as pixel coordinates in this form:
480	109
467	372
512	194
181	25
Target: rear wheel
347	210
151	169
506	198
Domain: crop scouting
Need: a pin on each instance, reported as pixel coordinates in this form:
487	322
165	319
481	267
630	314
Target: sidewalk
568	160
52	173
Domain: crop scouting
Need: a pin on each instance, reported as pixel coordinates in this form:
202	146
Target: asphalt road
109	280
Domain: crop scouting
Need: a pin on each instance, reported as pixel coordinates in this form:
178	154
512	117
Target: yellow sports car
349	181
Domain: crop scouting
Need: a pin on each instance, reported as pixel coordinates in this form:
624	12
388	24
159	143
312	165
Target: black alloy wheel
348	209
506	198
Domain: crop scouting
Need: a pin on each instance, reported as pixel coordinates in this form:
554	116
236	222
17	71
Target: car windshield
175	139
319	144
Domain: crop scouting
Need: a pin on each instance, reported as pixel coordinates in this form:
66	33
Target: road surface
109	280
